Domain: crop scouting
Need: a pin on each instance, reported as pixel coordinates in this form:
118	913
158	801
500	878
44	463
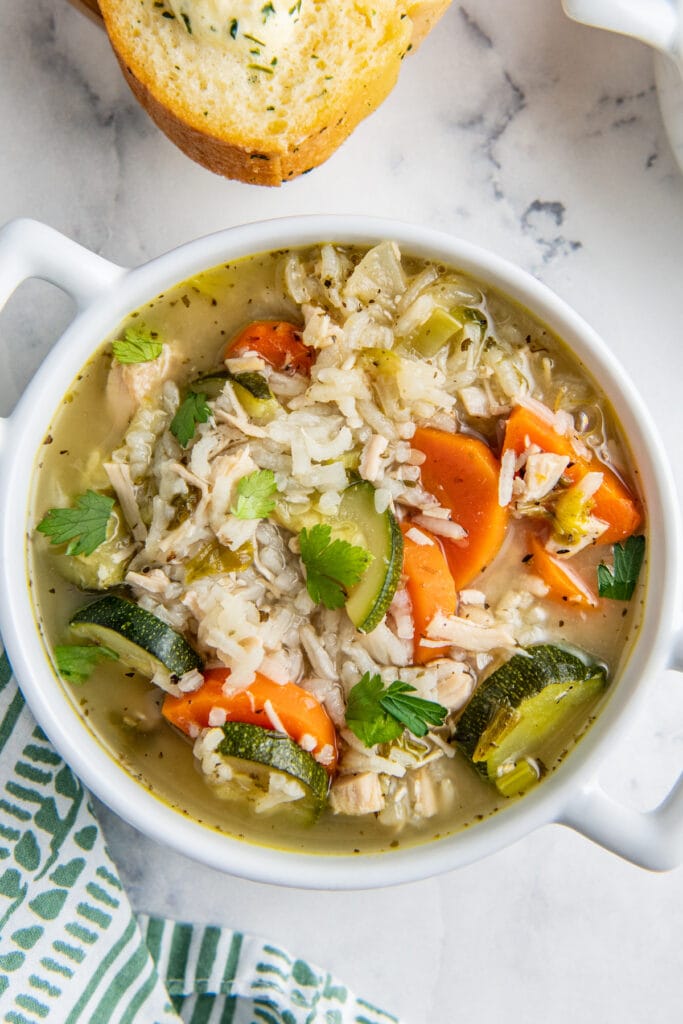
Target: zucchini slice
142	641
263	762
251	389
526	713
358	522
368	601
107	566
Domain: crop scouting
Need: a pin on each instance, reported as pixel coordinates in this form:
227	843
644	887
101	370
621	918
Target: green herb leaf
620	582
366	717
191	411
255	495
83	528
378	715
76	663
474	316
136	347
416	713
331	565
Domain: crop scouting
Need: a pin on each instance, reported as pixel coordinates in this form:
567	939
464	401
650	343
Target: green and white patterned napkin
71	948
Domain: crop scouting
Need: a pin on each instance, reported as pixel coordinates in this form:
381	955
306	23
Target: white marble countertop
518	130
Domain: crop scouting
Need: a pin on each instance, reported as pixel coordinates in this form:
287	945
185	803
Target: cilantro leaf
83	528
136	347
192	410
378	715
76	663
620	582
255	495
366	717
331	565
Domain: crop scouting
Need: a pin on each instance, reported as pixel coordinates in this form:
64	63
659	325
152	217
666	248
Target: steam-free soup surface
389	418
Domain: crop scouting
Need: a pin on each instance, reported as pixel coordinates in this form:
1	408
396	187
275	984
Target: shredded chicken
130	383
356	794
470	636
120	479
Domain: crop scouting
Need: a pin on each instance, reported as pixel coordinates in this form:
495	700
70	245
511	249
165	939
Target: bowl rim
27	426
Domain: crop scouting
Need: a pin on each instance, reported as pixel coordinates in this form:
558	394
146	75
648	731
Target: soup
336	549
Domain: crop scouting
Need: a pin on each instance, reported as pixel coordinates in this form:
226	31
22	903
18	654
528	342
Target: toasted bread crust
270	159
267	166
424	15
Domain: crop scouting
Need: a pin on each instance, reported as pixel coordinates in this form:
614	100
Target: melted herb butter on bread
266	24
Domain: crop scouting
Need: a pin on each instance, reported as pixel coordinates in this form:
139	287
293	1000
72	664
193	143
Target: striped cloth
71	948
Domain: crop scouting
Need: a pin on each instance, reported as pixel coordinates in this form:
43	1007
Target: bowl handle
31	249
652	839
655	22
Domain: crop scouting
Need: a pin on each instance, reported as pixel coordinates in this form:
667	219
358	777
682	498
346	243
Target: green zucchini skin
251	388
369	600
213	383
142	641
527	698
254	746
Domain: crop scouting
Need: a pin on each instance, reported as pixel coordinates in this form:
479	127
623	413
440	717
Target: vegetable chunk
613	503
284	707
277	342
430	587
462	473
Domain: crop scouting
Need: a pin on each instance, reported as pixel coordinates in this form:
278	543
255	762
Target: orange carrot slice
286	707
277	342
613	502
462	473
524	428
430	587
563	581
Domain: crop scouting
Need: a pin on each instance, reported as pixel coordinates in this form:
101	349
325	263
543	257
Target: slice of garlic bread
263	91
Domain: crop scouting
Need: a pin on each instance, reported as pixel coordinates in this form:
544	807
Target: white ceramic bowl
104	293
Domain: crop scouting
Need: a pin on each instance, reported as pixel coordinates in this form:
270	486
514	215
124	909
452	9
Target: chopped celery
434	333
383	366
442	326
571	514
213	559
521	776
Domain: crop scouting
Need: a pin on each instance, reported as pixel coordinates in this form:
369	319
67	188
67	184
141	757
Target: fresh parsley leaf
83	528
136	347
76	663
378	715
255	495
192	410
331	565
416	713
620	582
366	717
